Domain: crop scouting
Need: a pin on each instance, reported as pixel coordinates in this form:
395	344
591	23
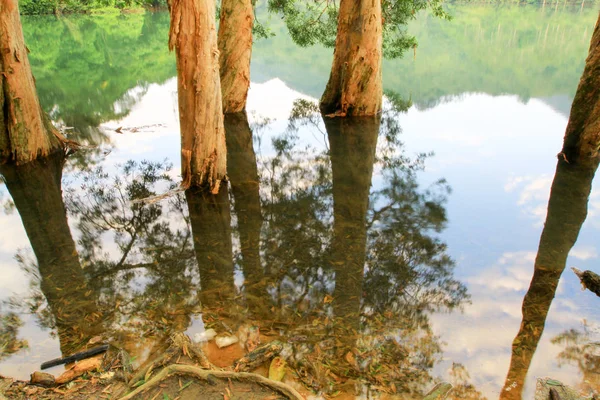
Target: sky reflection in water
292	218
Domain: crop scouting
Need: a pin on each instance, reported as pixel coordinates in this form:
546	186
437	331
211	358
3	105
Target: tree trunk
194	38
235	48
36	191
567	210
243	176
355	82
582	138
25	132
352	148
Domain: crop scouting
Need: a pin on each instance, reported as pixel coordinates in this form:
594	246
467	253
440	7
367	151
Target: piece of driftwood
258	356
439	391
589	280
75	357
78	369
209	375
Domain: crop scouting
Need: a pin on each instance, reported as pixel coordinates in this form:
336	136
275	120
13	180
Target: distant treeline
39	7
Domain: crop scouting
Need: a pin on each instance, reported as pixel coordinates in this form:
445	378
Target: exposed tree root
180	345
206	375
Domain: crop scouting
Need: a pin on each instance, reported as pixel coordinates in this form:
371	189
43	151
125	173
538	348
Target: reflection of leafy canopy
151	247
408	271
520	50
85	67
311	22
148	283
581	350
9	329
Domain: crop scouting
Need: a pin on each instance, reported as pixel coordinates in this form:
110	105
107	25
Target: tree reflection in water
583	352
567	210
36	192
346	274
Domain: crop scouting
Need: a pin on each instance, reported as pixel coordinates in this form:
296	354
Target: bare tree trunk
25	132
567	210
235	47
355	82
582	138
193	36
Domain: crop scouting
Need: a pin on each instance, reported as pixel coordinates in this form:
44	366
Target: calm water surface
389	252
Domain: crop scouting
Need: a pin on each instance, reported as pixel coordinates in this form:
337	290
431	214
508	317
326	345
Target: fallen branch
259	356
159	197
75	357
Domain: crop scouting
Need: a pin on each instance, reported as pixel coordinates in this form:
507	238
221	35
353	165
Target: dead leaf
351	360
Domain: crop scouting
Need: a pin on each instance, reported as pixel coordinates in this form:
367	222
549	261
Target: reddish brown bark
25	132
235	48
582	137
193	36
355	82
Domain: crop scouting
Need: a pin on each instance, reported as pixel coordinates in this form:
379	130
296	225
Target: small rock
224	341
42	379
205	336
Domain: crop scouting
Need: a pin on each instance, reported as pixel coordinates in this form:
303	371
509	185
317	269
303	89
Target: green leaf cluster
39	7
315	21
85	66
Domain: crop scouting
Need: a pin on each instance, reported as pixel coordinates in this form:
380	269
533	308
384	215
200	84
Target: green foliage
9	329
85	66
39	7
527	51
315	21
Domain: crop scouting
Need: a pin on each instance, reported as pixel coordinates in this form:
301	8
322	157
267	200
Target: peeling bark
582	137
235	48
25	132
194	38
355	82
